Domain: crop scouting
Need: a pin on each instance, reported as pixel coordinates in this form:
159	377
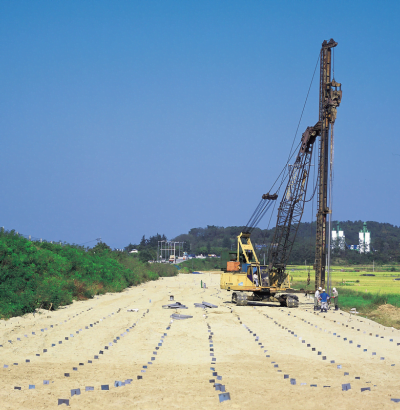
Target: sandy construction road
263	355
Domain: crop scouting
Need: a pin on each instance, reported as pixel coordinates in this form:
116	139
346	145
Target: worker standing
316	298
324	297
335	296
255	279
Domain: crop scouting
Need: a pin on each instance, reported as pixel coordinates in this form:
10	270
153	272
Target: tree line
385	242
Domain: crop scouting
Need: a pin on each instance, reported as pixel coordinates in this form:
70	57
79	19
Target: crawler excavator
245	277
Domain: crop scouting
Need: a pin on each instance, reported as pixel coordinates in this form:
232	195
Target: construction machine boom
246	274
330	96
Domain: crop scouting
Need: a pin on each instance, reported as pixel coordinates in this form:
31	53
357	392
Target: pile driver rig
245	276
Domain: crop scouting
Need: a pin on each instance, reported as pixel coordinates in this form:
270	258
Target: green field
370	295
347	278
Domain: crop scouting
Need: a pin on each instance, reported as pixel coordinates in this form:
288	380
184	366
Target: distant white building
364	238
338	239
134	251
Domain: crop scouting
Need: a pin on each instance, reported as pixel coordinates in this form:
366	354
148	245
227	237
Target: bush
37	275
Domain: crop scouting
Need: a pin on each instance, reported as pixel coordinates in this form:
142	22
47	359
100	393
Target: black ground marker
105	387
224	397
346	386
63	401
365	388
75	392
219	387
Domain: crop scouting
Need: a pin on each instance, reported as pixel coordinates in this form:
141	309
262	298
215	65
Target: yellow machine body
241	280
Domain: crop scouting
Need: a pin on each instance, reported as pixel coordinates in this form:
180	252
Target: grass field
376	297
345	277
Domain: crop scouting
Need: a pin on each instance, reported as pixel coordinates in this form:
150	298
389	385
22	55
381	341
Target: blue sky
120	119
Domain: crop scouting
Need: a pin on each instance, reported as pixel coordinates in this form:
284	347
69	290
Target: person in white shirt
255	279
335	296
316	298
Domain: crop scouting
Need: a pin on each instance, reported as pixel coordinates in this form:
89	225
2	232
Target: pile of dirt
388	308
387	315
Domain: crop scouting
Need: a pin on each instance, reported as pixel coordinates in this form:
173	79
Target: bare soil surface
263	355
387	315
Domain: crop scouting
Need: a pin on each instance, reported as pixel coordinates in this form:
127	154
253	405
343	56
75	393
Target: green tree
101	247
226	242
146	255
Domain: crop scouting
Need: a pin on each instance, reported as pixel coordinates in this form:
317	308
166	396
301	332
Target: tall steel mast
330	95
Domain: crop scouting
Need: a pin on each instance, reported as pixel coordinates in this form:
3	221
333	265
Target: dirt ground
262	355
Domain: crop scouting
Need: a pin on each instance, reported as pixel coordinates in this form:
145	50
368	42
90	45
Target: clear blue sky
124	118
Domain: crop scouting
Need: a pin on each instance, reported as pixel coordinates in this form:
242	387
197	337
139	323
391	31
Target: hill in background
385	242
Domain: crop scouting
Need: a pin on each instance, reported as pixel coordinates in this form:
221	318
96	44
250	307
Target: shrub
43	275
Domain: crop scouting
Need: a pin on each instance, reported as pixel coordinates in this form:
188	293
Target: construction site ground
262	355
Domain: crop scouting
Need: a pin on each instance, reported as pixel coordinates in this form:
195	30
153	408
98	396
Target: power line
97	239
260	211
